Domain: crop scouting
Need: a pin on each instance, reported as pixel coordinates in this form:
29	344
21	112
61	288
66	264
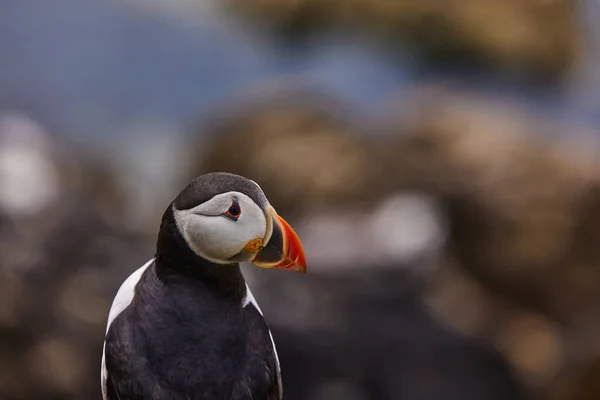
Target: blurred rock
458	301
37	170
523	205
522	208
383	344
56	365
579	381
297	145
62	259
28	178
533	345
403	229
534	36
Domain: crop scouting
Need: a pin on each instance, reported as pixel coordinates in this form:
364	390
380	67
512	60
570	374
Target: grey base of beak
272	253
242	256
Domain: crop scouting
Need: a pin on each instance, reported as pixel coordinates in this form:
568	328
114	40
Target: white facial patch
212	235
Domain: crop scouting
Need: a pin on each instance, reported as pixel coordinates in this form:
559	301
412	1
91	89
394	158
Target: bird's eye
234	211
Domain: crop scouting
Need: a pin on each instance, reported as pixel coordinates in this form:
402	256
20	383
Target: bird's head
226	218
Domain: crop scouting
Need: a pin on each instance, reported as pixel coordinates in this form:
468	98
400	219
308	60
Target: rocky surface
380	343
296	144
452	249
522	208
63	254
516	200
520	194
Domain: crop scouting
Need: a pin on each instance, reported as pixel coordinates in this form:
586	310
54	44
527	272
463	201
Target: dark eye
234	210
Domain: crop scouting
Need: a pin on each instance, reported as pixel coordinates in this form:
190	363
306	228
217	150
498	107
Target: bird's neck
176	262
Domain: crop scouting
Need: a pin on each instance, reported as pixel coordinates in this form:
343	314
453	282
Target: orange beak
283	249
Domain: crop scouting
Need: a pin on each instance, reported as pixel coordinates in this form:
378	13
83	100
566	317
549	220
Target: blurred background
439	161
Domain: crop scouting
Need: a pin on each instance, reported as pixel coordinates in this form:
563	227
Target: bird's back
179	340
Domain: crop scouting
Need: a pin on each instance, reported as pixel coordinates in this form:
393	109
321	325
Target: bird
185	325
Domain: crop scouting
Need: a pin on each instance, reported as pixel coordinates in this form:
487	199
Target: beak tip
284	252
302	263
300	257
300	267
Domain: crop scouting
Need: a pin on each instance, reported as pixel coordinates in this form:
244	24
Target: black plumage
188	334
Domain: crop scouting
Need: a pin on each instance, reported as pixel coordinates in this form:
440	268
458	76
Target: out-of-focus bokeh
439	160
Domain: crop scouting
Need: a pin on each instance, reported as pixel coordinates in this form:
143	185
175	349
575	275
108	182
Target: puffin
185	326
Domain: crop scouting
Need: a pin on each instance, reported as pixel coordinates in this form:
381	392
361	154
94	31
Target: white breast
249	299
121	301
